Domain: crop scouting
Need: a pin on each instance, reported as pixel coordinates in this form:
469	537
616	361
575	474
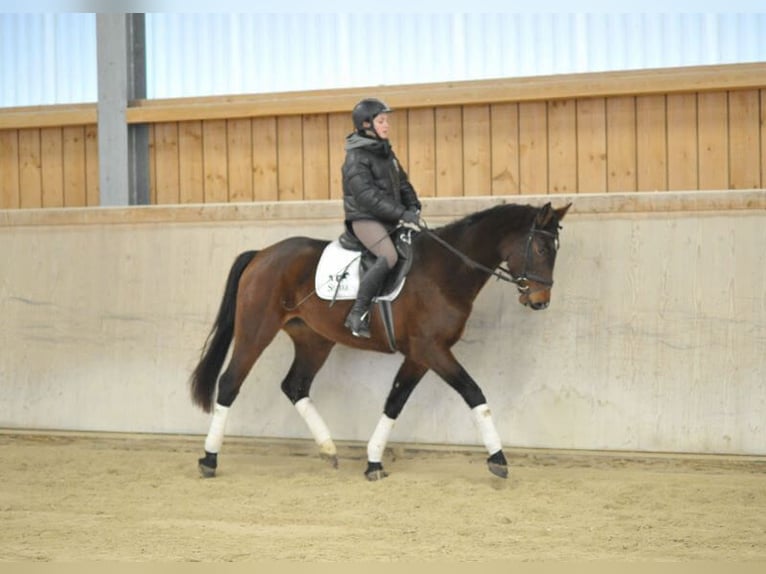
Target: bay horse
273	289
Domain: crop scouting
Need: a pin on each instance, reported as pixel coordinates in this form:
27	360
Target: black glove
411	216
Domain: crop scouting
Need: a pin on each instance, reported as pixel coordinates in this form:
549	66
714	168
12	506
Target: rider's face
381	126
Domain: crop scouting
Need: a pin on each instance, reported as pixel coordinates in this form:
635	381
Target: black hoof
498	465
208	464
375	471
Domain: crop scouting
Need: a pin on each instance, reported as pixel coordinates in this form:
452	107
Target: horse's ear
544	215
562	211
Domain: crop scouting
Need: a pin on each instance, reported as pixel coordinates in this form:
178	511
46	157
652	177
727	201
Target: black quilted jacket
374	184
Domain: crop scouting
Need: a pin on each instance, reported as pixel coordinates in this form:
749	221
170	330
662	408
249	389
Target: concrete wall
654	341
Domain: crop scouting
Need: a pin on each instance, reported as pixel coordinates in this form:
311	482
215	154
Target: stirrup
359	325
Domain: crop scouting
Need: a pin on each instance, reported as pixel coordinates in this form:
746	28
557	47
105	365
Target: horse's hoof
208	464
206	471
375	471
497	464
331	458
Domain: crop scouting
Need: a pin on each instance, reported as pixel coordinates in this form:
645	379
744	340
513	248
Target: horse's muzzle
536	300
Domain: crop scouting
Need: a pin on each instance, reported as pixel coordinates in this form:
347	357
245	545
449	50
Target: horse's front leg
448	368
407	378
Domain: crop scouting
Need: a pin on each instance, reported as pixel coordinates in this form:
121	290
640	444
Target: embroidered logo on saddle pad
337	275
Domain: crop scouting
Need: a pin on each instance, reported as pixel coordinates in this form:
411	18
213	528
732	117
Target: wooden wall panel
591	145
533	148
763	138
682	142
52	166
9	169
191	170
504	140
290	156
477	158
449	152
712	119
239	165
265	177
422	151
562	146
621	144
214	146
744	140
339	126
75	183
708	135
316	157
166	169
651	144
30	172
91	165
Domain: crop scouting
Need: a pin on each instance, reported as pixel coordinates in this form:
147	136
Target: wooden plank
265	176
621	144
562	146
30	170
763	138
166	169
339	126
505	148
75	182
449	152
475	92
91	165
744	140
48	116
152	167
533	147
399	138
9	169
422	146
191	165
290	154
591	145
477	151
316	157
214	161
682	142
651	144
712	118
52	166
239	135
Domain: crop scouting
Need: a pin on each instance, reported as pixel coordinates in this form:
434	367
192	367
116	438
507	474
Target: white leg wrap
379	438
482	417
316	425
217	426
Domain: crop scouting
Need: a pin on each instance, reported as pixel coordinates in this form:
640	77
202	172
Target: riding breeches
374	237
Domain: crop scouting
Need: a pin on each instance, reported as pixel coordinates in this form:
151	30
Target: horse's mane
510	215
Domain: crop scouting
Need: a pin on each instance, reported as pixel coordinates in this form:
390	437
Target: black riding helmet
366	110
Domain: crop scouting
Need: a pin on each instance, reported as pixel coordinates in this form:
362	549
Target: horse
273	289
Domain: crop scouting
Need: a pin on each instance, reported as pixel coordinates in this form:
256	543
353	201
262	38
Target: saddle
345	260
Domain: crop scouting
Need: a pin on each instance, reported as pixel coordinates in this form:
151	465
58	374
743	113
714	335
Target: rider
376	195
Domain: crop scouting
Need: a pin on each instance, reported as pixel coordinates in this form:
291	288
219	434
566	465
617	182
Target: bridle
522	280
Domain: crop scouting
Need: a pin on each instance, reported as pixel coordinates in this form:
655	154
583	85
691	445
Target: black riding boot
358	320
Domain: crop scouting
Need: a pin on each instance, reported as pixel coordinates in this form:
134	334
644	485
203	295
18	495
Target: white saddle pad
337	275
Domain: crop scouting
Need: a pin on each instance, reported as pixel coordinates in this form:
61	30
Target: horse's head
533	255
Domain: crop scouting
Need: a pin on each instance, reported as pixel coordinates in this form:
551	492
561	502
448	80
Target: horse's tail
216	346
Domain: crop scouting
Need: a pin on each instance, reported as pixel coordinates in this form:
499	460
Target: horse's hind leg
311	352
407	378
249	342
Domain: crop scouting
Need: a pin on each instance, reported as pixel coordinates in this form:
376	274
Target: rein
501	272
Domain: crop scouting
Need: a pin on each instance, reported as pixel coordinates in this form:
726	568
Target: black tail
216	346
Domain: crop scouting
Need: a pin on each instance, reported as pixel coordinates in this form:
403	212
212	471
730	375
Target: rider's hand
411	216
